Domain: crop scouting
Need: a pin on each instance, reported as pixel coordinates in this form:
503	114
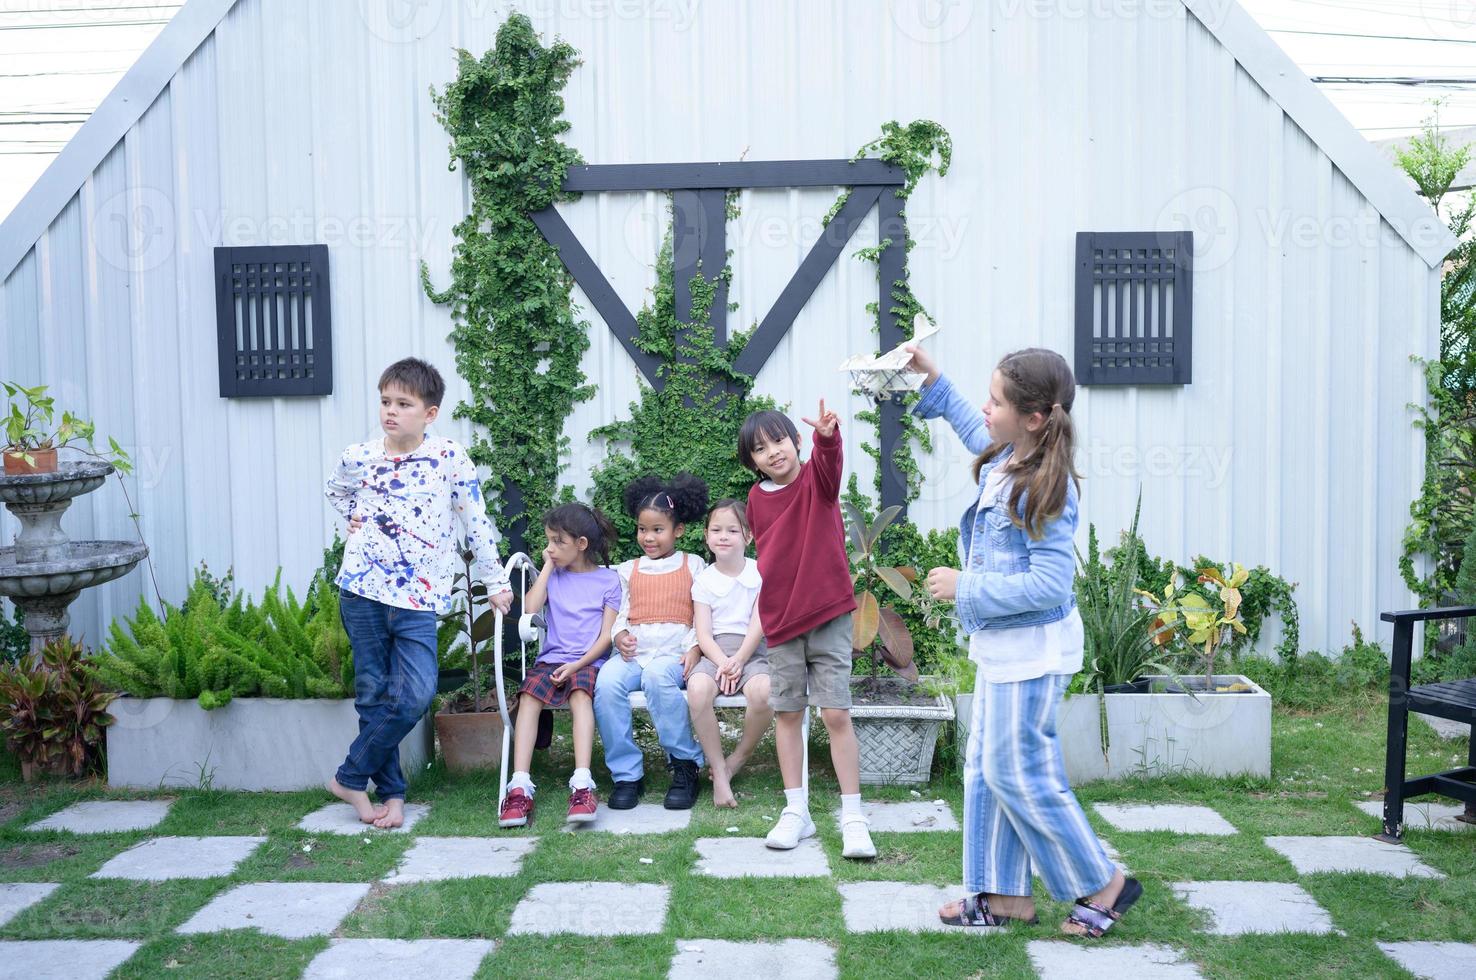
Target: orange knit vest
661	598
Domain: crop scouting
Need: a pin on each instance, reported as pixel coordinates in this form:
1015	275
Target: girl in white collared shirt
730	656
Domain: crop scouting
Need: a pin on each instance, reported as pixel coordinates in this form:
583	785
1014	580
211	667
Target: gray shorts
730	642
814	668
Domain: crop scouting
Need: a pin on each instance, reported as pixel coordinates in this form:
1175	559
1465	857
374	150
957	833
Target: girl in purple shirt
581	600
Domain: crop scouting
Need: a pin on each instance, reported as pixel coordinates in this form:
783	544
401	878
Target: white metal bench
521	565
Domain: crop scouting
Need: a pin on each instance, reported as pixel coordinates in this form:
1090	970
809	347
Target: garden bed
248	744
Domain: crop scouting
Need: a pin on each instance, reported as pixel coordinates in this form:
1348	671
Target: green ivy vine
518	342
919	148
691	424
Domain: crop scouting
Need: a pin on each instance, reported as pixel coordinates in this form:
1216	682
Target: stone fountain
46	570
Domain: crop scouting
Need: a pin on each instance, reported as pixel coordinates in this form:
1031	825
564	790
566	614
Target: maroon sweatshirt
801	544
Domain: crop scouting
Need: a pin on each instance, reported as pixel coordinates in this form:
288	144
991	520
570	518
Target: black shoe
626	795
684	784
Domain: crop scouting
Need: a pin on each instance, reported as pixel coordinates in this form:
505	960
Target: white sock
850	805
581	780
796	800
521	780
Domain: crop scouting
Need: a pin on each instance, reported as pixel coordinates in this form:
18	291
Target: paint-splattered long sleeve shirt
417	509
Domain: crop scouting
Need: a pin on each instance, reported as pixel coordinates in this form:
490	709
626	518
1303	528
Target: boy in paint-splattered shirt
409	499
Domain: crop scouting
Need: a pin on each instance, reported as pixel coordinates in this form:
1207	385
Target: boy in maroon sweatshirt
805	605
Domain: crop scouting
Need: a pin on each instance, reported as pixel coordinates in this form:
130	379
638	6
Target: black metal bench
1455	700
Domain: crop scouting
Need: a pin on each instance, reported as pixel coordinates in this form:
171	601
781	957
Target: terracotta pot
16	465
470	741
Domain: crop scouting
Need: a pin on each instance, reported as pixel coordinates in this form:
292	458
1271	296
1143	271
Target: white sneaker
793	827
856	838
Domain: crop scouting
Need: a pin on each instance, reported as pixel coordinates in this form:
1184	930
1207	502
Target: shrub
54	711
215	647
15	642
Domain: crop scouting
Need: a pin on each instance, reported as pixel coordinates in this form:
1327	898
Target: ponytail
1038	380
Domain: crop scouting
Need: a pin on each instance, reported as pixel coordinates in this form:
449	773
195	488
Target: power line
64	26
62	74
1408	80
1377	37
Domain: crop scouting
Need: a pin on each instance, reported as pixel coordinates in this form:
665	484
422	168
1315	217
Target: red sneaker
517	808
582	805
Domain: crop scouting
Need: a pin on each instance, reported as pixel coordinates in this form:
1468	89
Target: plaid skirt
540	684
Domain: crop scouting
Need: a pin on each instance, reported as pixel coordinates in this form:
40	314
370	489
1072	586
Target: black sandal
975	912
1095	919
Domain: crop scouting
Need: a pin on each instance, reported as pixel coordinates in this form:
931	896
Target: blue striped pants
1019	812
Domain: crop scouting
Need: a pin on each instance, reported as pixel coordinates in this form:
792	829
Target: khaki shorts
814	668
730	642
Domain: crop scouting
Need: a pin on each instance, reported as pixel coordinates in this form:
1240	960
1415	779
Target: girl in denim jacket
1014	597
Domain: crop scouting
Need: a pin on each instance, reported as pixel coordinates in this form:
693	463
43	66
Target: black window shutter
274	321
1134	315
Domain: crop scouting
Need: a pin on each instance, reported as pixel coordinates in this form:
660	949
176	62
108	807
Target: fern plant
216	647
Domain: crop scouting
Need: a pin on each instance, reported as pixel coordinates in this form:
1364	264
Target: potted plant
469	725
1129	712
233	692
53	711
896	724
30	440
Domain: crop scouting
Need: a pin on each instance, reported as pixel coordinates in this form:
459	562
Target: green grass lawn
1323	762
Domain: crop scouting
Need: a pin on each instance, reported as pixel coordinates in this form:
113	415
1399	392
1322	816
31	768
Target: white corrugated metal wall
303	122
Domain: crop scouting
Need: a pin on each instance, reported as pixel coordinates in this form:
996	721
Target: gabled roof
1365	167
1251	47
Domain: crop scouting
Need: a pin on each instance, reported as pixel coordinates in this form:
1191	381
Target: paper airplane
885	375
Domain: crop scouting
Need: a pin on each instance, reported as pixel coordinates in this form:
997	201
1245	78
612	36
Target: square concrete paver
747	857
591	908
64	959
350	959
340	818
907	817
885	906
1113	855
1423	815
292	911
1310	855
1178	818
16	898
1058	960
106	817
1237	907
645	818
166	858
439	858
719	959
1434	961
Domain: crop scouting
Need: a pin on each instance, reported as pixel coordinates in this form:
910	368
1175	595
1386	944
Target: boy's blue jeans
395	677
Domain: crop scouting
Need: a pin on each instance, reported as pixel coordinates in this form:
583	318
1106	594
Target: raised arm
967	420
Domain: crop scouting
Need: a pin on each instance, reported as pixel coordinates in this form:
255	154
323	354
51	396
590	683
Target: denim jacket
1008	579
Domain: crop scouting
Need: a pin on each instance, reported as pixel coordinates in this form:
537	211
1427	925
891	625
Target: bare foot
356	798
393	816
735	762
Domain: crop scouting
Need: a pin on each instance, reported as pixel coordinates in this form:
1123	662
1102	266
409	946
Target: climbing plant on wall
518	342
918	148
691	423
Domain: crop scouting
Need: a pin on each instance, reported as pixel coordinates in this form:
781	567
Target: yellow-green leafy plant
1203	624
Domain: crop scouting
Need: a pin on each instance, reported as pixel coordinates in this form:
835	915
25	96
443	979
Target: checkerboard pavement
519	876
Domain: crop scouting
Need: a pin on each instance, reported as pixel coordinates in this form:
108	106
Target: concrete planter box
1160	734
250	744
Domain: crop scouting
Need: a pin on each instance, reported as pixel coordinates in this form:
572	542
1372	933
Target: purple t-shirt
575	611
